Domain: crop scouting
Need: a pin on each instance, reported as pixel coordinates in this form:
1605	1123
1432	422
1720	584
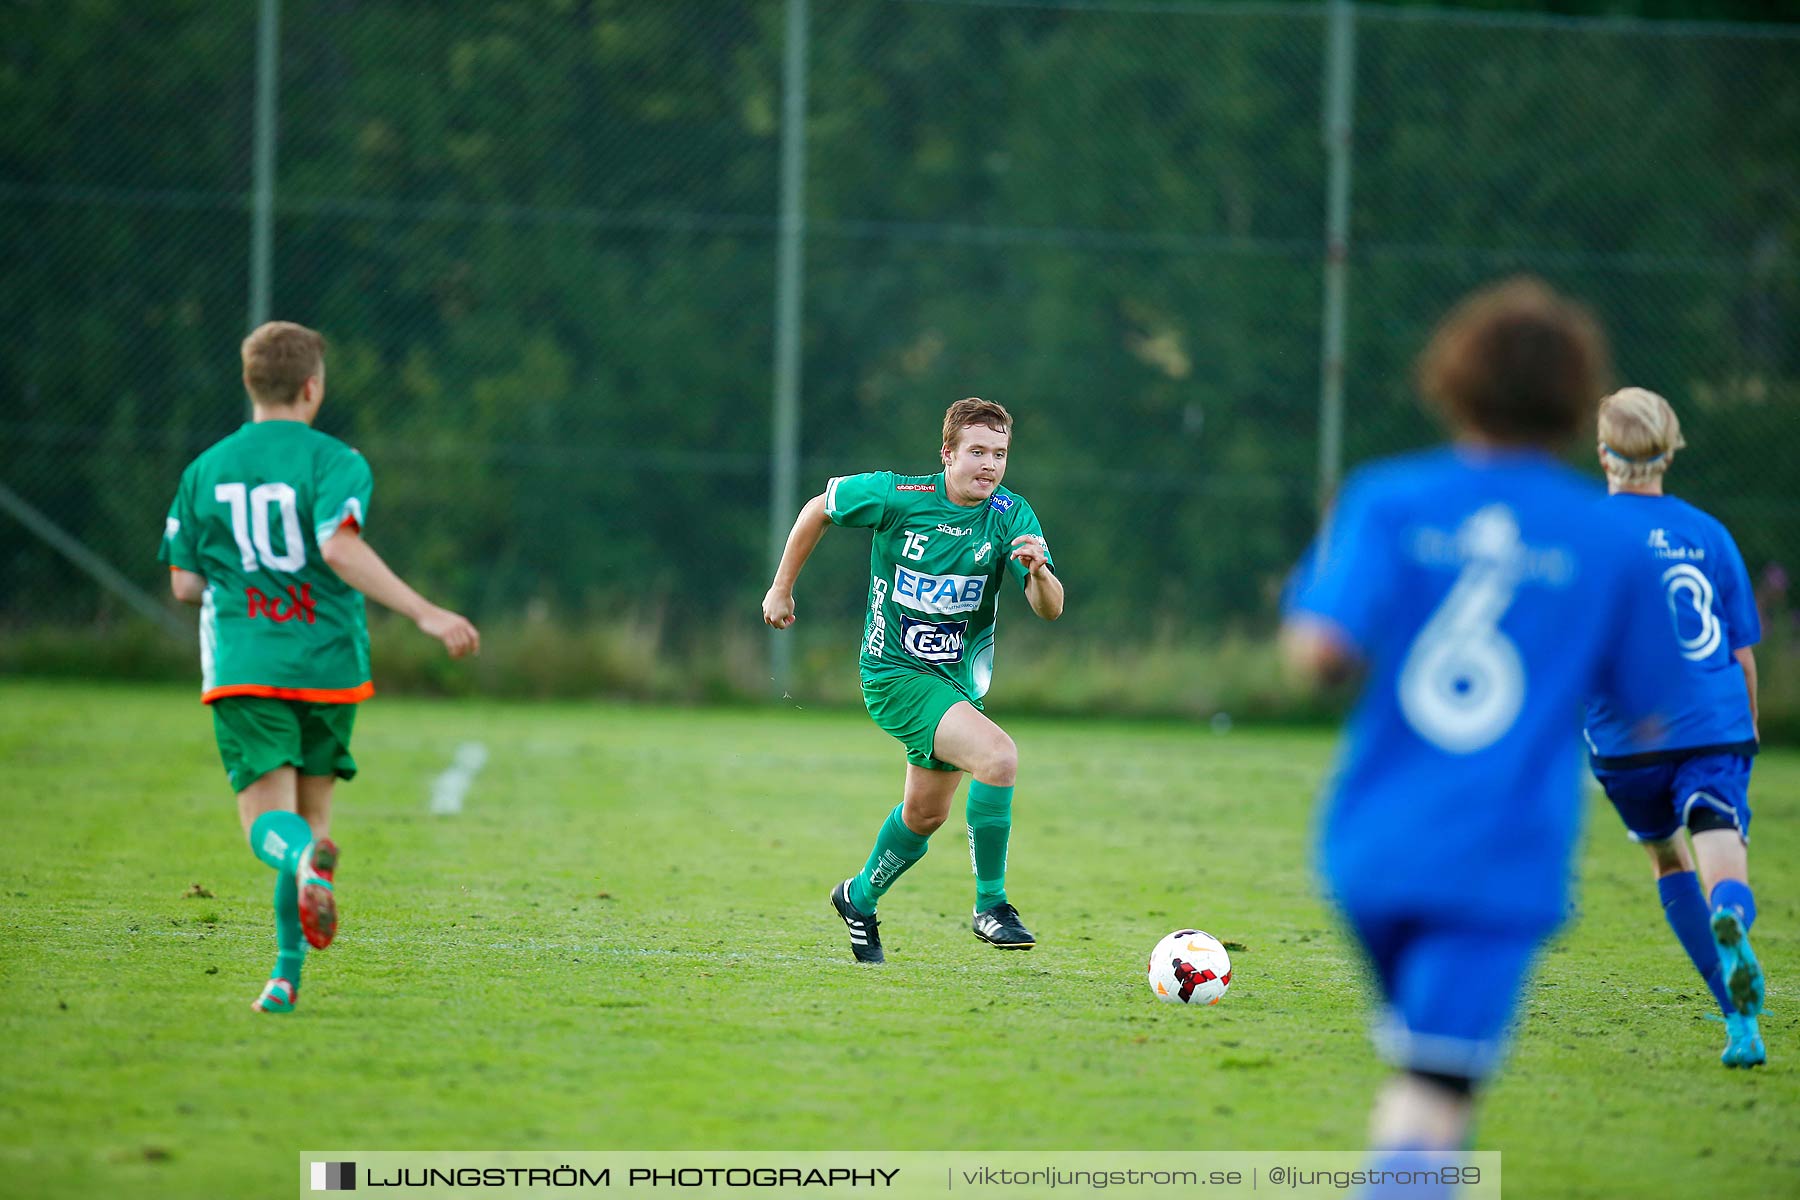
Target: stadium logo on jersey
937	593
1000	503
955	530
915	487
932	642
982	553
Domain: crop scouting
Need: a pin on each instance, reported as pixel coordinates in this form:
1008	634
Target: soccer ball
1190	967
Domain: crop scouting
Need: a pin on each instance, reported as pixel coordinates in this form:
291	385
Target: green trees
541	239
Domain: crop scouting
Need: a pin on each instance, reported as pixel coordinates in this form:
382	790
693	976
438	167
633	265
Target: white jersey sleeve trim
351	510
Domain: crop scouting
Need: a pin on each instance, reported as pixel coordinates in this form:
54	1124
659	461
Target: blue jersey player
1697	777
1486	591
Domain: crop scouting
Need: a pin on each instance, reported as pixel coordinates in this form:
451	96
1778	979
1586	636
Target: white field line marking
448	789
535	946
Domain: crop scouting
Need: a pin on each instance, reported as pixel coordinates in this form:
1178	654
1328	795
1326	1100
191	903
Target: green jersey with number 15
934	572
250	516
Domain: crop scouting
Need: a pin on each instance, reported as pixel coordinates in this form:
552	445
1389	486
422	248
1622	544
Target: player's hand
457	632
778	608
1031	551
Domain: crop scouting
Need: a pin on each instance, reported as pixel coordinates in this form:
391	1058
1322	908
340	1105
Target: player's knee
1666	858
921	822
1002	765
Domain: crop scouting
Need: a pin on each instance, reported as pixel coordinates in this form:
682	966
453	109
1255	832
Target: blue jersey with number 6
1700	579
1490	594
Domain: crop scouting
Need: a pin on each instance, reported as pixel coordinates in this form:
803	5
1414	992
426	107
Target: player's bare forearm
358	565
1044	592
803	539
187	586
1314	652
1747	659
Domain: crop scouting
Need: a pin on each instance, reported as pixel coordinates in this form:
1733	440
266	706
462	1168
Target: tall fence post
262	214
784	450
1340	85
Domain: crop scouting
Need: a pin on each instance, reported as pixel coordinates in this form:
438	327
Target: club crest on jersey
933	641
986	549
937	593
1000	503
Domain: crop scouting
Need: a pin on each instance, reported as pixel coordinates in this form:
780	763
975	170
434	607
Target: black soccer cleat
865	931
1000	926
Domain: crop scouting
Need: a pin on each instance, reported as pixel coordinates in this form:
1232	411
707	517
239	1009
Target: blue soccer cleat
1743	1043
1737	962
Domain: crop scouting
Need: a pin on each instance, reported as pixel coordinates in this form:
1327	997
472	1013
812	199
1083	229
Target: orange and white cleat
318	903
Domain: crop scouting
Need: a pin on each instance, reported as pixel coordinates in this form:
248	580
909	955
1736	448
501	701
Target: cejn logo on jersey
933	641
938	594
1462	684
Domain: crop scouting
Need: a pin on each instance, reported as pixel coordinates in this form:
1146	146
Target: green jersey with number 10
250	516
934	572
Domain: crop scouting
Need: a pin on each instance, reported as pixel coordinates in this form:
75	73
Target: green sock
278	838
896	848
989	813
290	940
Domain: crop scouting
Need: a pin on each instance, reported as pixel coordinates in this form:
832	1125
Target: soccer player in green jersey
265	535
942	543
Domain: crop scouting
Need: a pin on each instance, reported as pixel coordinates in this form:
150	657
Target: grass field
622	942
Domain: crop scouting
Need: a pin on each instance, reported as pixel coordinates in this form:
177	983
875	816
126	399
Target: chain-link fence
542	238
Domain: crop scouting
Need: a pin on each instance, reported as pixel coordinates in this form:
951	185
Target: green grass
623	943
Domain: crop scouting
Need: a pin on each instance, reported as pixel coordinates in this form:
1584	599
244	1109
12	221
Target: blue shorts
1450	991
1655	801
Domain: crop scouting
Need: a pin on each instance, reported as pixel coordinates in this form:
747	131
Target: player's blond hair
1639	434
973	410
279	357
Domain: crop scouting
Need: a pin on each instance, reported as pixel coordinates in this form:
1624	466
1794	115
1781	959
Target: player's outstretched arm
1043	590
358	565
809	527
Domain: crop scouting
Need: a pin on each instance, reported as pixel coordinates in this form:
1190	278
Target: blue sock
1729	893
1384	1164
1691	920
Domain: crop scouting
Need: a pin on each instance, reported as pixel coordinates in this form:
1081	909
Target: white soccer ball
1190	967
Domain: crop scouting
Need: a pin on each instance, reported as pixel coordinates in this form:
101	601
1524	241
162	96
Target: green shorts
257	734
909	705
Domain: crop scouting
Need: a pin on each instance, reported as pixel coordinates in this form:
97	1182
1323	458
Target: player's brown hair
1517	362
973	410
1639	434
279	357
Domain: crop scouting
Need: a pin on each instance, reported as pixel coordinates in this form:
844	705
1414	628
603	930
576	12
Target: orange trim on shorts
355	695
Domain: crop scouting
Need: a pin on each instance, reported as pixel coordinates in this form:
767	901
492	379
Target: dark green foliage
542	240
